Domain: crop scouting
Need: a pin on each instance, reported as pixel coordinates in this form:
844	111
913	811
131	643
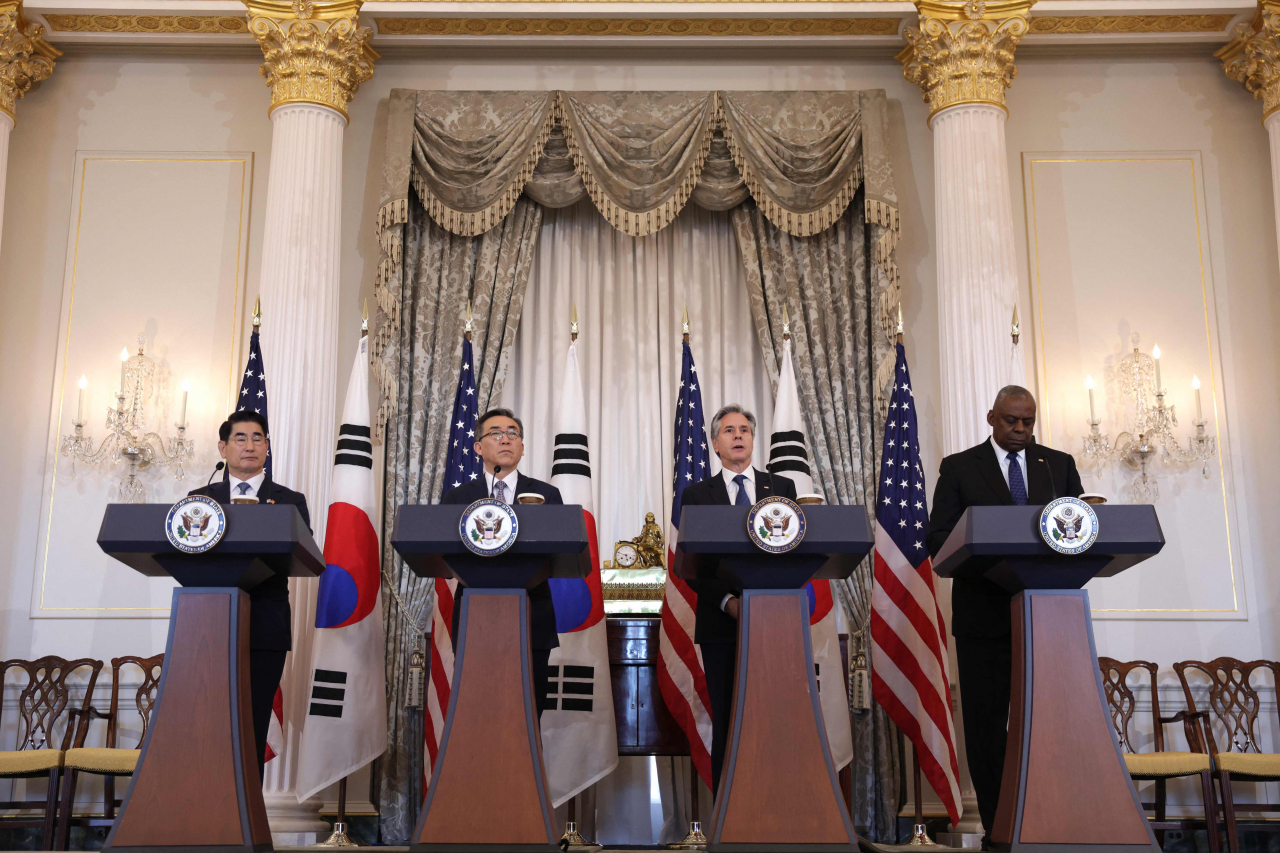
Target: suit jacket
979	607
542	611
270	620
713	625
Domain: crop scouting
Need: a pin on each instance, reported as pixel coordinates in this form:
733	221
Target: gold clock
625	555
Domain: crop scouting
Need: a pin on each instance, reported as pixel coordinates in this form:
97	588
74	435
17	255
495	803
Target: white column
977	281
299	291
1272	124
25	58
6	127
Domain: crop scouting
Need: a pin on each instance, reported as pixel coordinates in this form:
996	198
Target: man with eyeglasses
243	445
500	443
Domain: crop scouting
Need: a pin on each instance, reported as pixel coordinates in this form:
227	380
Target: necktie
1017	485
741	499
500	491
244	488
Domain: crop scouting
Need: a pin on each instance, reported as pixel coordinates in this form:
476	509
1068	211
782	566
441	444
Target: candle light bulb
84	382
1195	382
1155	352
124	354
1088	382
186	385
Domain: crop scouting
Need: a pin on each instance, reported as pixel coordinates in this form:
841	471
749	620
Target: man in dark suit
243	443
500	443
1008	469
733	431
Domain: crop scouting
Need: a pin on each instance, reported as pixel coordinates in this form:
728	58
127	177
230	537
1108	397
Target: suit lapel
718	489
764	487
990	468
1039	488
221	491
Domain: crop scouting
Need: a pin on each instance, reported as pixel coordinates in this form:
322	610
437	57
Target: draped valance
640	156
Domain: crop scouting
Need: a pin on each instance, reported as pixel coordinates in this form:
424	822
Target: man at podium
1008	469
733	431
243	444
500	443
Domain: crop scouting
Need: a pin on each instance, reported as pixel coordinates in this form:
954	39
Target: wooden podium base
1065	786
778	790
489	789
197	787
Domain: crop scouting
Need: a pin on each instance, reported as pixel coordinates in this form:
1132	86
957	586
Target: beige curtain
439	272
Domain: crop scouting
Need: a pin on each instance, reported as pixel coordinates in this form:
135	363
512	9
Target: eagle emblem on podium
776	524
488	527
1069	525
195	524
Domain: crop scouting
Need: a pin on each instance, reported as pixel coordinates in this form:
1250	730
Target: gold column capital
962	50
1252	57
25	56
314	51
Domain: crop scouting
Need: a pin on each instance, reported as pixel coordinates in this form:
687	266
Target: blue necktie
1017	486
244	488
741	499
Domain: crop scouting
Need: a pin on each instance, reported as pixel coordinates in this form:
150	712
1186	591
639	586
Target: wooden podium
1065	786
488	790
196	787
778	789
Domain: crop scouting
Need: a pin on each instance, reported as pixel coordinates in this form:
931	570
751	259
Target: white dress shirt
1002	456
255	483
749	483
509	483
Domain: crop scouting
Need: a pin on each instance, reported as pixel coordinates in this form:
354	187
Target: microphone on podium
216	469
496	469
1052	488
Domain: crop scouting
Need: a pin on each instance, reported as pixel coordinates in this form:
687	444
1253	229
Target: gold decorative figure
649	544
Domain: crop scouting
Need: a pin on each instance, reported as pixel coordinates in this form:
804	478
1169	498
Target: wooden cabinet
645	726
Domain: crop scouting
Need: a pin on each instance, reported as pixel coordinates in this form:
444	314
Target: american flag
463	466
253	386
680	674
909	669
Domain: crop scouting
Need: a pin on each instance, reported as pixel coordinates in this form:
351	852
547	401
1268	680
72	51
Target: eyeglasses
240	439
497	434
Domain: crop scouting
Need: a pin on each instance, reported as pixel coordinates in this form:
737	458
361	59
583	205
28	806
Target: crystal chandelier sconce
126	424
1141	386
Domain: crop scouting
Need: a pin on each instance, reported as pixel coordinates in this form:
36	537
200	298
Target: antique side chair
1234	705
110	761
42	704
1161	765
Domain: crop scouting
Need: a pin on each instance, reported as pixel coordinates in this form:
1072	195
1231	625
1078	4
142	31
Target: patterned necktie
244	488
1017	486
741	499
500	491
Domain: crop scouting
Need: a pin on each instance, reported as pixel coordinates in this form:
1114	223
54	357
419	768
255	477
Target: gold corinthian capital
962	52
25	56
1253	56
315	51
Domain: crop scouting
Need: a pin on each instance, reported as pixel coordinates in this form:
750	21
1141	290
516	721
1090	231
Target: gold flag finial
573	323
786	324
1016	329
898	331
364	318
470	326
257	312
684	324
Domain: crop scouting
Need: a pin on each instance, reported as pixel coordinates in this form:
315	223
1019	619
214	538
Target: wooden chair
1161	765
41	705
1234	704
108	762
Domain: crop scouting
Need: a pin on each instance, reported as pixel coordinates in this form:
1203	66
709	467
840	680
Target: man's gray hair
731	409
498	413
1012	391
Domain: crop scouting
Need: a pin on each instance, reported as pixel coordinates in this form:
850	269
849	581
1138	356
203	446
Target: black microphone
496	468
1050	470
216	469
768	469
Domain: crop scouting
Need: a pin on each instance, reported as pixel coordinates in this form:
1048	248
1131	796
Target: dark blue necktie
1017	485
742	499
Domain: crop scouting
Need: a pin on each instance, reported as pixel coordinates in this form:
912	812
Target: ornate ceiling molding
26	57
1252	57
1091	24
639	27
189	24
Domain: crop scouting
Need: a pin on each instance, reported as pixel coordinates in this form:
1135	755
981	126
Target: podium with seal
196	785
1065	786
778	788
488	789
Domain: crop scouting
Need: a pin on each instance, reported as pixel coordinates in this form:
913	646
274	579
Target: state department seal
488	527
195	524
776	525
1069	526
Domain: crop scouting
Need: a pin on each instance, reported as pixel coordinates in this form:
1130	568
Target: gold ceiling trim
184	24
689	27
1128	24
